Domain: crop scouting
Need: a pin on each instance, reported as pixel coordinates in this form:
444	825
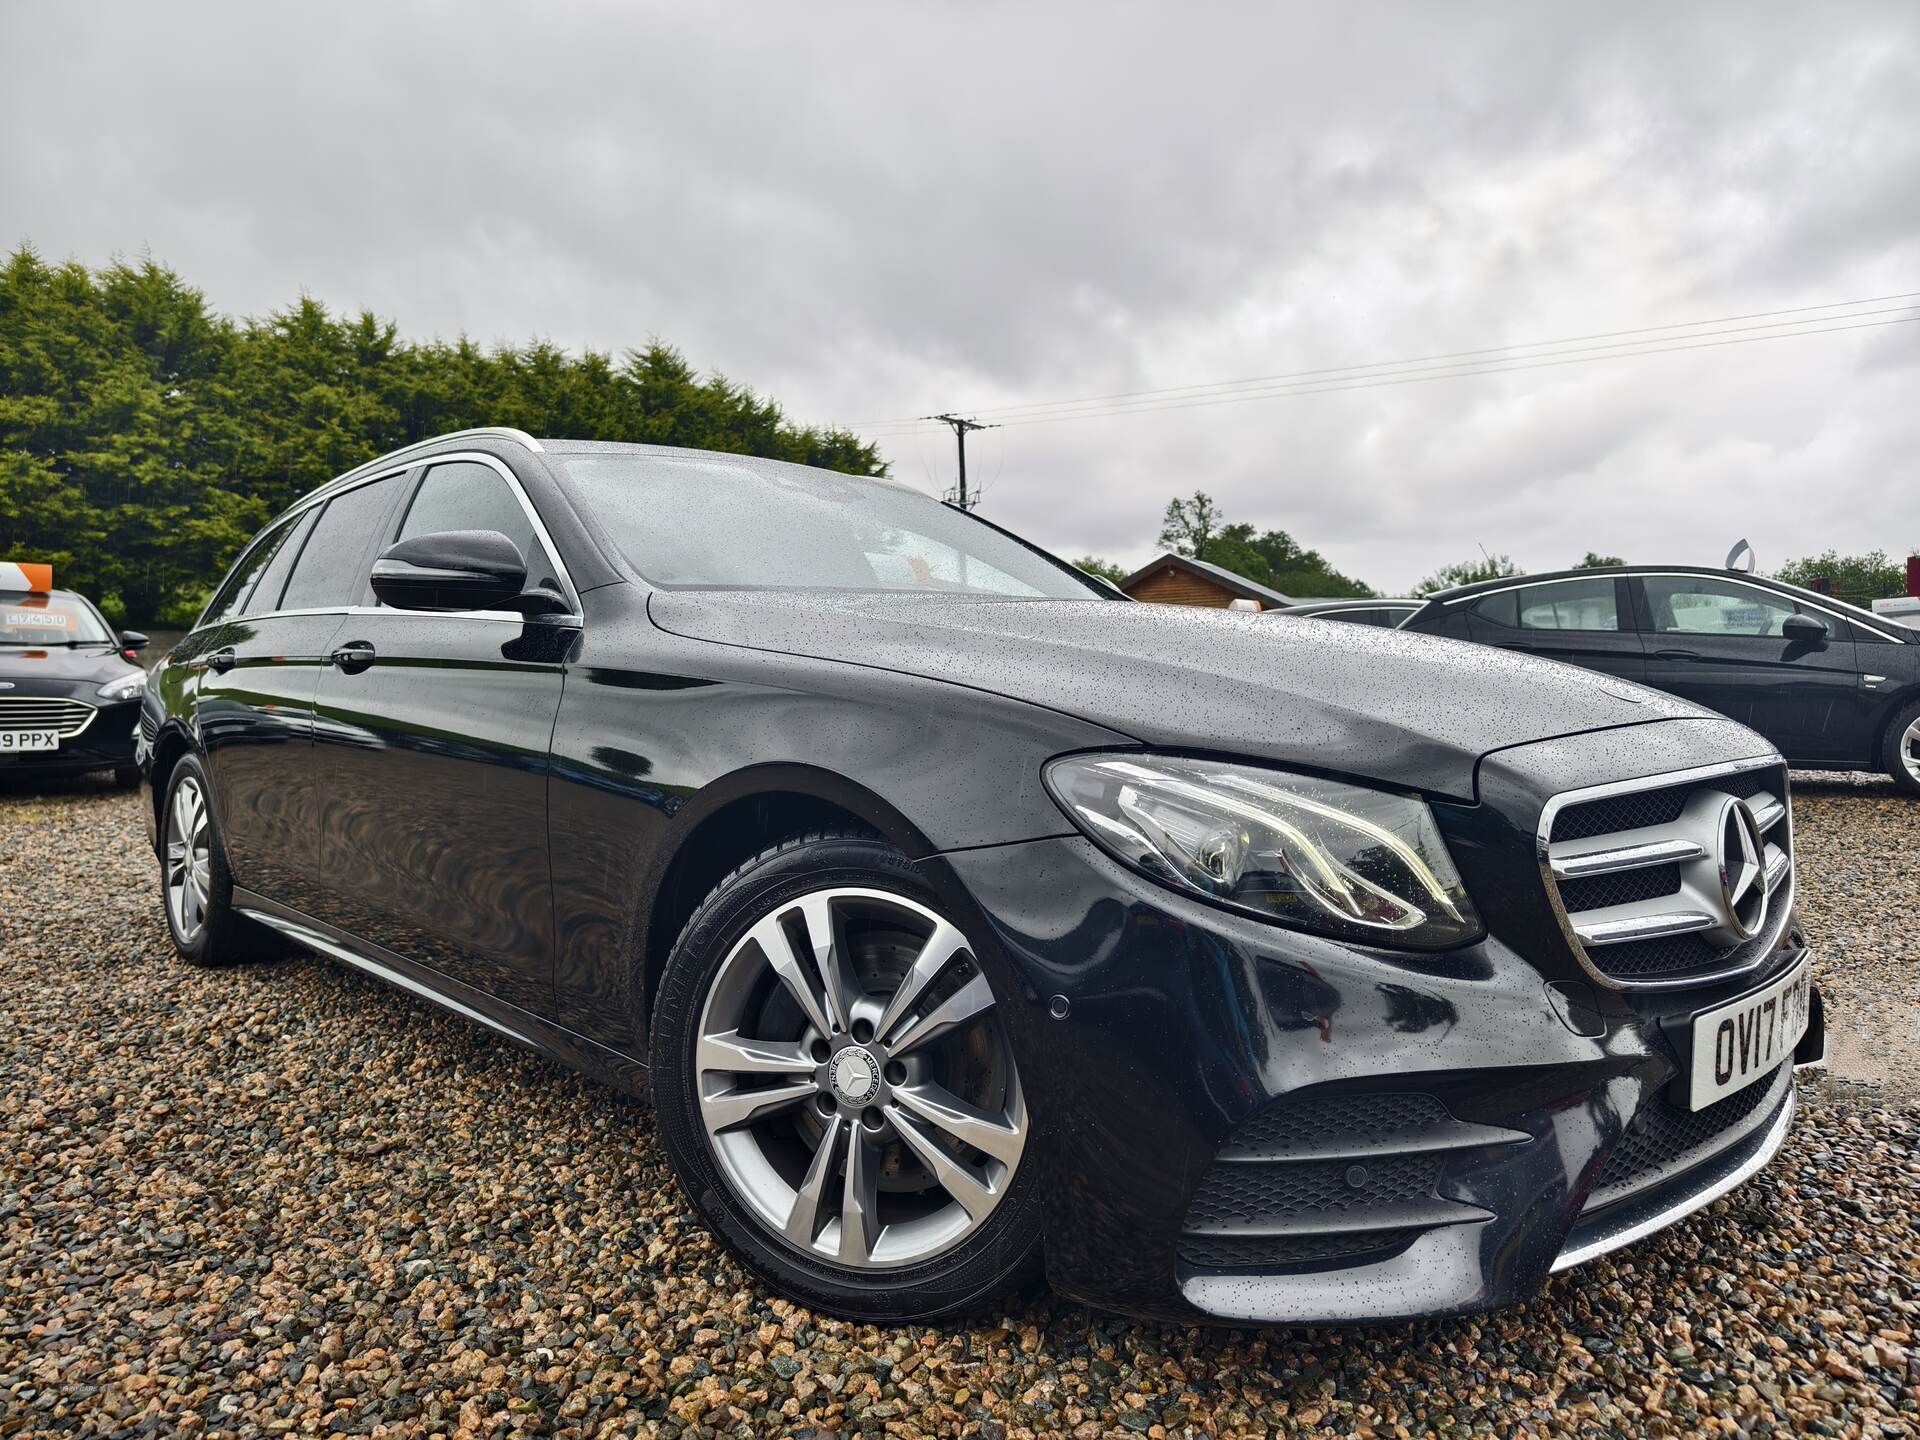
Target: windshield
41	620
741	523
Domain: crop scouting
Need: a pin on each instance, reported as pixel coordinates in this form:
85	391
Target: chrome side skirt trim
1638	1227
333	950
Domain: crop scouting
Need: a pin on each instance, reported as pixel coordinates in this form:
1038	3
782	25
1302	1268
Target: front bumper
106	744
1155	1033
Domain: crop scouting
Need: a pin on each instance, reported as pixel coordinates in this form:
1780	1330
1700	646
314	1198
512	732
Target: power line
1333	385
1116	401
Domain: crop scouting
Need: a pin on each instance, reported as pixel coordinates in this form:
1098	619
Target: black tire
223	936
1002	1254
1892	760
126	778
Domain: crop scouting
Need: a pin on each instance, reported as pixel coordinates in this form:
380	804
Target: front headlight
127	687
1343	860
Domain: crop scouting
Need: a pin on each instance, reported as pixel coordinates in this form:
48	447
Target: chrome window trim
330	492
526	504
387	463
1731	579
1780	910
540	531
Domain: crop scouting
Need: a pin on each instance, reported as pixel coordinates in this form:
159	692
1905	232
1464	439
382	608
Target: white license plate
12	741
1736	1043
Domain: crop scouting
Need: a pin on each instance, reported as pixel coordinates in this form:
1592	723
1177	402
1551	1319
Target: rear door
1586	620
261	672
432	746
1716	640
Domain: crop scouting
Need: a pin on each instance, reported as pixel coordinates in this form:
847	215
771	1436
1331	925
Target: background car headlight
1340	859
127	687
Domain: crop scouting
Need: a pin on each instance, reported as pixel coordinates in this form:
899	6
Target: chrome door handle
223	660
353	657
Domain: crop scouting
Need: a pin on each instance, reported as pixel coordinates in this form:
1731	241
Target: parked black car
1388	614
1833	686
69	690
956	915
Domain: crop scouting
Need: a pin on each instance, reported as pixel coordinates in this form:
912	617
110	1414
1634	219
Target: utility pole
961	425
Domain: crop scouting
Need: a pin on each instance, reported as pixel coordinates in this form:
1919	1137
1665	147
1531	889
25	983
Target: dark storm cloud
870	211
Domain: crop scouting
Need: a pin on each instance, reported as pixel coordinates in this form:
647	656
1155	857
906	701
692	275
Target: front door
432	751
1717	641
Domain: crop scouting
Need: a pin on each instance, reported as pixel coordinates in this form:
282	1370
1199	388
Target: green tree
1593	560
143	438
1106	570
1859	579
1195	527
1189	525
1276	559
1468	572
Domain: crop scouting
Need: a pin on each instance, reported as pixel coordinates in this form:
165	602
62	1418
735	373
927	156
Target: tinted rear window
334	561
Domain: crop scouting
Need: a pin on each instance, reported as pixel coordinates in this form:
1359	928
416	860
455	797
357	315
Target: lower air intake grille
1330	1181
1673	1139
1260	1194
1278	1252
1337	1117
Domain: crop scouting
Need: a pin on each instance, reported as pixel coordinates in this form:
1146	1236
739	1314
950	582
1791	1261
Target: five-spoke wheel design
1909	751
189	859
854	1081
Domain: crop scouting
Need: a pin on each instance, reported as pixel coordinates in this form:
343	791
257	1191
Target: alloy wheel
189	860
1910	750
855	1082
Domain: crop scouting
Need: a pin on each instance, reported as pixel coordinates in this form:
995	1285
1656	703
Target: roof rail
380	462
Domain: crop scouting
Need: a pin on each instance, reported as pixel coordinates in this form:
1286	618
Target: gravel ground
289	1199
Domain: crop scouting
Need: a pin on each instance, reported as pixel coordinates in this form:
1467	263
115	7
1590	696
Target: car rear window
333	562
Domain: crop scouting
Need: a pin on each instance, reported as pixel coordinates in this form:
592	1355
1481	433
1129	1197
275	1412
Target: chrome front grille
1673	879
40	712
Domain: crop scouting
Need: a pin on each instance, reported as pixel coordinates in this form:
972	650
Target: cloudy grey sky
874	211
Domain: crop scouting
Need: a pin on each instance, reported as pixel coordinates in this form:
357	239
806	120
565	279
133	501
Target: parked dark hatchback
69	692
961	920
1833	686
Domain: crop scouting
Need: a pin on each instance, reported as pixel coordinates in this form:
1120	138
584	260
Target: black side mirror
451	570
1804	629
132	640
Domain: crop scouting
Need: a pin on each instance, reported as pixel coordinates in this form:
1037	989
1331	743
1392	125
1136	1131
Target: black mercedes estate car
965	923
1834	687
